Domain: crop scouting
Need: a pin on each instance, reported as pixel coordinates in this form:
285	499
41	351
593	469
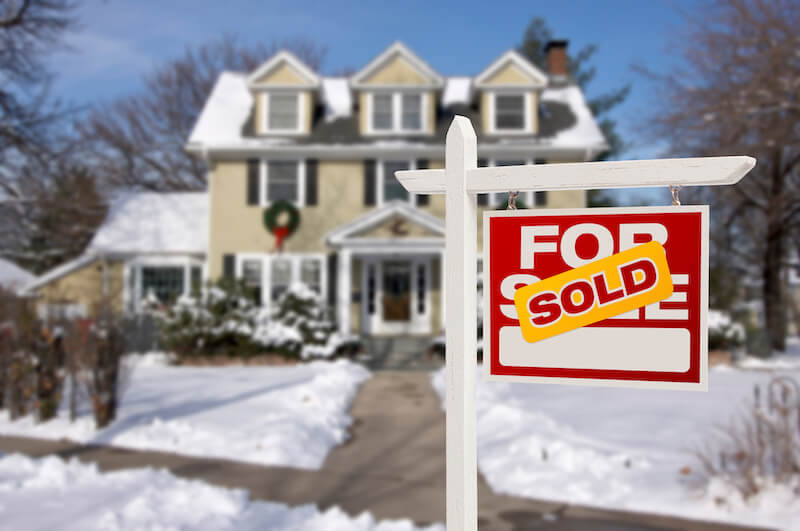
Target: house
13	277
329	146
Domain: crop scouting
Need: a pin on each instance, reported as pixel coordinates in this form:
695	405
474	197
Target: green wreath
271	220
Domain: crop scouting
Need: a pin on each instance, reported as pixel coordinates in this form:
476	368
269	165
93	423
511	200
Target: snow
225	112
14	277
337	98
152	222
59	271
618	448
585	132
779	361
457	90
288	416
50	493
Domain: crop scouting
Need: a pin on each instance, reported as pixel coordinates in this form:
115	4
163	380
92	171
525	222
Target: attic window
282	112
509	112
397	112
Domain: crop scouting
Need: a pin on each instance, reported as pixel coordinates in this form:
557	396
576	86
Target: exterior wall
566	199
238	228
85	286
436	201
363	114
431	125
283	75
398	71
485	108
385	230
509	75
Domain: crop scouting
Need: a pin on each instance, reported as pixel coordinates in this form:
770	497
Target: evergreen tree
536	36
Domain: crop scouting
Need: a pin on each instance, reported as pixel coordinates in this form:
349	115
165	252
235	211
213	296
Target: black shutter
253	182
311	182
423	199
483	199
228	266
369	183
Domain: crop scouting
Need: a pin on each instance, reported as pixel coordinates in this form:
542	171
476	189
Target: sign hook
512	200
675	190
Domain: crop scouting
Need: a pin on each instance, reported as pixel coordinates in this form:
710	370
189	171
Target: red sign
662	344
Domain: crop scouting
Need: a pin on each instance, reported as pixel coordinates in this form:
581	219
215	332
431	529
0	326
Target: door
396	291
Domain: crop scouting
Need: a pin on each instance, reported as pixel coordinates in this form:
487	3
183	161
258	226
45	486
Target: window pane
281	273
283	111
196	279
509	111
251	276
392	189
311	274
282	180
412	111
382	111
165	283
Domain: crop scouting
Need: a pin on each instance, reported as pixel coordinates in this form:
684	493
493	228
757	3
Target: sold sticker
596	291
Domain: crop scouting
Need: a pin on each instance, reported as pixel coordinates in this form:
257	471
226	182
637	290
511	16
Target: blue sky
118	42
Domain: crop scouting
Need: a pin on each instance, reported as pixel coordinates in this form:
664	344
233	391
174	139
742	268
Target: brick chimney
557	57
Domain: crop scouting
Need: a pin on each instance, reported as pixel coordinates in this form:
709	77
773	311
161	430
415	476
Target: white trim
511	56
132	274
282	56
397	113
300	100
342	234
527	128
380	182
263	171
295	260
396	48
59	271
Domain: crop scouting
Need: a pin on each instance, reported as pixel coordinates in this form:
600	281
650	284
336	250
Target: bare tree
137	141
738	92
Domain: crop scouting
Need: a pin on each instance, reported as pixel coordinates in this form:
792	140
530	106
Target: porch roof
352	234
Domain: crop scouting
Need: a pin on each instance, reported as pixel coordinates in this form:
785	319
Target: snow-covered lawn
50	493
290	415
618	448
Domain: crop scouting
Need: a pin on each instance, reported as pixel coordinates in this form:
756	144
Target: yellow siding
397	71
85	286
386	230
308	110
566	199
510	75
283	74
238	228
486	113
431	125
436	201
363	112
436	296
534	110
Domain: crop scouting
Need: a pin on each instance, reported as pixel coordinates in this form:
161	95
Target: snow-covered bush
224	321
724	333
761	448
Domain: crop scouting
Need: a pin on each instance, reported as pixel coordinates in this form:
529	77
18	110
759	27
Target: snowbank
50	493
617	448
14	277
289	415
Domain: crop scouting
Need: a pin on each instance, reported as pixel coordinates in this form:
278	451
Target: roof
59	271
14	277
152	222
538	78
396	49
283	57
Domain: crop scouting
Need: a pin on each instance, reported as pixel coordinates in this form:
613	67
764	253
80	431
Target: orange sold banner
596	291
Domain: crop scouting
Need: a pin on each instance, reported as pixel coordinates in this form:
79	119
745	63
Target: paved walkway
393	466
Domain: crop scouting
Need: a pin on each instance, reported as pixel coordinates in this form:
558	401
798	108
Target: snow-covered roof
337	98
58	272
14	277
225	112
457	91
152	222
584	133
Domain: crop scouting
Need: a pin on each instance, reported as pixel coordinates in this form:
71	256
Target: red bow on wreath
281	232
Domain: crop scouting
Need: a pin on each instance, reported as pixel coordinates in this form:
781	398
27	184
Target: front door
396	291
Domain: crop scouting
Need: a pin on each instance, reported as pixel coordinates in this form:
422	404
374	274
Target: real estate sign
602	296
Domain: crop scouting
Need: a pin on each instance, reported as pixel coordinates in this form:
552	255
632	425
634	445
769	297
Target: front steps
400	353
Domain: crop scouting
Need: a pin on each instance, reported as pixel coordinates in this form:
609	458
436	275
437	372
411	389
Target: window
282	180
397	112
412	112
382	116
283	112
392	189
281	277
540	198
421	288
164	283
509	112
251	275
196	273
311	274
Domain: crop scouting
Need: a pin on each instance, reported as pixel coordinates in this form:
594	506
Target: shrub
723	333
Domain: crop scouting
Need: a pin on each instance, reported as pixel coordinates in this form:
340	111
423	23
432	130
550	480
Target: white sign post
460	181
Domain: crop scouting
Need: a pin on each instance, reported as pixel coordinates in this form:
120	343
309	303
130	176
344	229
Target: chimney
556	52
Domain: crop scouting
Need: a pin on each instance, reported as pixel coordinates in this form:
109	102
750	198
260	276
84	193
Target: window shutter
228	269
423	199
369	183
483	199
311	182
253	182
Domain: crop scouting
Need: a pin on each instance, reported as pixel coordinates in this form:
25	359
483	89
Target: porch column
343	291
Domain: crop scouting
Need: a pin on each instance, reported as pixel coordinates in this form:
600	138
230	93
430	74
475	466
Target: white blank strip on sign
587	175
600	348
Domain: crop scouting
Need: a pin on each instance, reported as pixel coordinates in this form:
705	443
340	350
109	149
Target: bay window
164	283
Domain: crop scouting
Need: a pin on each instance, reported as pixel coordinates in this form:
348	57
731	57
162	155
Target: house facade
329	147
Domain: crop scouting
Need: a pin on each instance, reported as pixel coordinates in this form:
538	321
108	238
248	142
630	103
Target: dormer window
282	112
396	112
510	113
